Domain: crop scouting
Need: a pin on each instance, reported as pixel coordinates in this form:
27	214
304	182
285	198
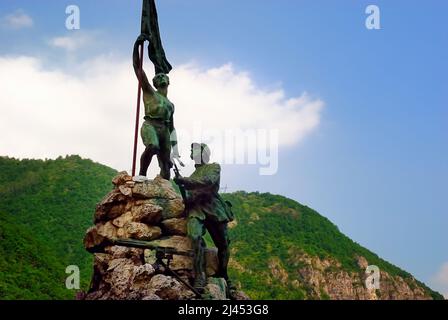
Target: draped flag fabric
150	27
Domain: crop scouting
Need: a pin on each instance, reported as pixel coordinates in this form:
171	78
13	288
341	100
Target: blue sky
377	165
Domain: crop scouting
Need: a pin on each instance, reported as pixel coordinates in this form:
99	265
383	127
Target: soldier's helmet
200	153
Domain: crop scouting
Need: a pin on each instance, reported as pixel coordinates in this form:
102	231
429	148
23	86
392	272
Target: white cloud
17	20
231	99
440	280
47	113
74	41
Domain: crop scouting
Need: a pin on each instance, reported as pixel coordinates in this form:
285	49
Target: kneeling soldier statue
206	211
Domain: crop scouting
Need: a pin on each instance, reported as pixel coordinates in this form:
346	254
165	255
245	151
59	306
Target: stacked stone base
124	274
151	211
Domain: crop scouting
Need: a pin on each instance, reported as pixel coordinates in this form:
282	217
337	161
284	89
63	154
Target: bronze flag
150	27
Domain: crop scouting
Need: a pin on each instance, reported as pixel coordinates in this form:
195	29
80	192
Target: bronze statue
206	211
205	208
157	132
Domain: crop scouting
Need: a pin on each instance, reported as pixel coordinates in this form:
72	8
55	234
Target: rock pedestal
151	211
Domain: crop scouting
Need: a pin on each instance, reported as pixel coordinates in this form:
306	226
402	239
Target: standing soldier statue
157	132
206	211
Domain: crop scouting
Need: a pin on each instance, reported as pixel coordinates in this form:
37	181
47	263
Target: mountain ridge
281	249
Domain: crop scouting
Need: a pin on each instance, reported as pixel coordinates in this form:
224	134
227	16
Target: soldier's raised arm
141	75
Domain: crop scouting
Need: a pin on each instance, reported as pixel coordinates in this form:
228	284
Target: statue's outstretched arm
147	88
210	179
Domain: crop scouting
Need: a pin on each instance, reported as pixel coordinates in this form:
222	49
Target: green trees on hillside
46	207
50	204
28	268
270	226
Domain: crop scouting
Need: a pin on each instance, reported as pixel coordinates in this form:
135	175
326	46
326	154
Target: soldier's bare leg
164	155
145	159
196	232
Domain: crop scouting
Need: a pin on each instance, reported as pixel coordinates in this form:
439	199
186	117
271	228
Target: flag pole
137	118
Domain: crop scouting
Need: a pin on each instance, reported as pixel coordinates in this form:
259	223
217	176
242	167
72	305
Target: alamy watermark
235	146
73	21
72	282
373	21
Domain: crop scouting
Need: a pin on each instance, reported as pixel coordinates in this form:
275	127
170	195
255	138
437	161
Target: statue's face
161	81
164	82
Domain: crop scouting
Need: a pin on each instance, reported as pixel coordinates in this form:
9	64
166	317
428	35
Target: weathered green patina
158	133
202	187
206	211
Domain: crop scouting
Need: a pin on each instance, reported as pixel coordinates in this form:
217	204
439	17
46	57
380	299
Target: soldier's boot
232	290
223	260
200	280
